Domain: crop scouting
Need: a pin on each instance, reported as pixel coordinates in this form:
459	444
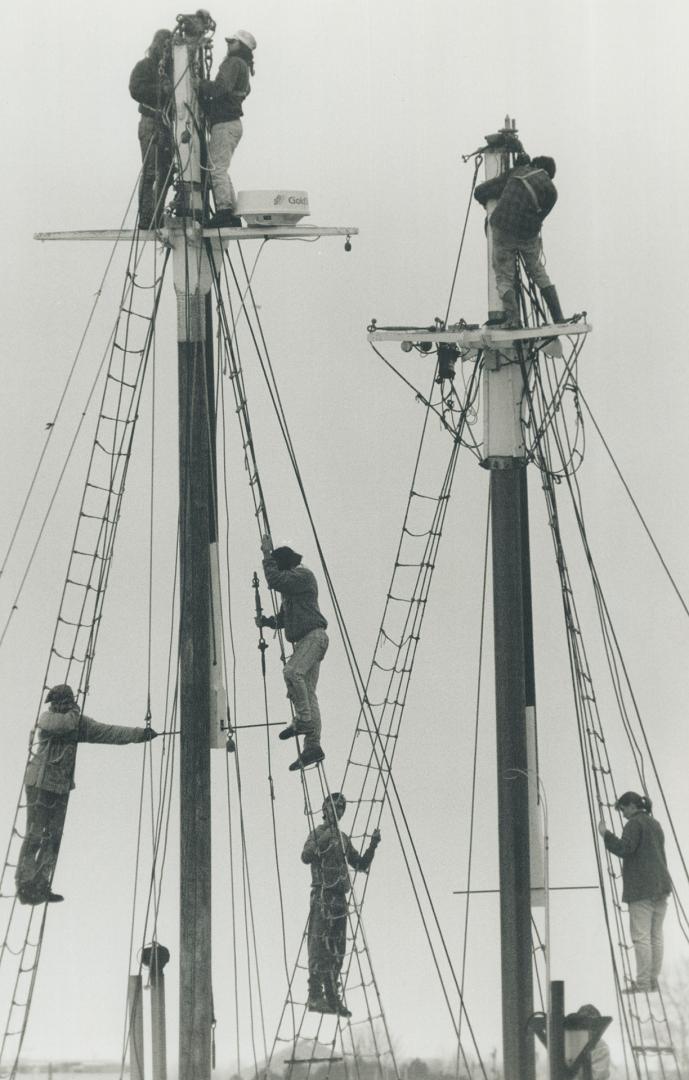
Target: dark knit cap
286	556
61	692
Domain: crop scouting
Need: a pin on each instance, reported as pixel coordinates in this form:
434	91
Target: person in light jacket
646	884
48	780
327	851
304	626
222	99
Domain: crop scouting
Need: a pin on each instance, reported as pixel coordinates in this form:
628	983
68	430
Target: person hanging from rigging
222	99
150	83
48	780
304	627
327	851
646	885
525	196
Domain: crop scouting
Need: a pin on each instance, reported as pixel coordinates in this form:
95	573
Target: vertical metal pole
155	957
135	1011
192	283
556	1031
503	388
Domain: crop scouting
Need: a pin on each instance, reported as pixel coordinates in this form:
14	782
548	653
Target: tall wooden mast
196	441
506	459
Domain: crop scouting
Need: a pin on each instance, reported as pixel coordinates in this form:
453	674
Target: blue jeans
221	146
301	676
505	250
646	928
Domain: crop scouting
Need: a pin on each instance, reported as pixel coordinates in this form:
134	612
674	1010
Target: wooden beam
253	232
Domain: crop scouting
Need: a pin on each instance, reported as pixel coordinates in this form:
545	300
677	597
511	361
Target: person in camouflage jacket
327	851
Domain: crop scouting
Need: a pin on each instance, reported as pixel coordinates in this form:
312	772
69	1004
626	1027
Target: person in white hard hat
222	99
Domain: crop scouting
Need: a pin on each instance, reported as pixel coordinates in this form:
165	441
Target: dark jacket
642	850
222	96
525	198
326	852
51	765
152	90
299	612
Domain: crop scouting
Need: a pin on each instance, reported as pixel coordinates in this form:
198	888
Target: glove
266	544
375	838
149	734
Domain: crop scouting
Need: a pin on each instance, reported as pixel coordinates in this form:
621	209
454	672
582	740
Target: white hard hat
245	37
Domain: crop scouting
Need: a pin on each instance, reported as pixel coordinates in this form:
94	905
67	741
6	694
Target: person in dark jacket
222	99
646	884
150	83
48	780
304	625
327	851
525	196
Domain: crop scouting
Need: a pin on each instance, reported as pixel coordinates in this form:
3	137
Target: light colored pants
646	928
301	676
505	250
221	146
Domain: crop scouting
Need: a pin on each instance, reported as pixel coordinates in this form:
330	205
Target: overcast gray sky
369	107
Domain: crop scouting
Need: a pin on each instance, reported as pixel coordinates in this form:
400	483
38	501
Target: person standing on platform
48	780
150	83
304	626
646	885
525	196
222	99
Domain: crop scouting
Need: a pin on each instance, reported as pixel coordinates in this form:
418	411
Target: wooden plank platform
254	232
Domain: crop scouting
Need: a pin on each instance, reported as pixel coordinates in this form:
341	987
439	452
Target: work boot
309	756
37	892
288	732
552	303
334	1000
510	305
225	219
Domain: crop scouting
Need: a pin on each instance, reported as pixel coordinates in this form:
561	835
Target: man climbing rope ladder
304	627
48	780
327	851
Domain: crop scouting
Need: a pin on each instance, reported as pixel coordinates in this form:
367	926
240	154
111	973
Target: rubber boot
333	998
552	303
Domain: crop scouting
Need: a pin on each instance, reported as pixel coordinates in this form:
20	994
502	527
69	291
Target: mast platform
251	232
482	337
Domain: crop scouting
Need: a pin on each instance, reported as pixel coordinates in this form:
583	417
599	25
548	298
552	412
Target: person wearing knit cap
328	851
304	625
48	780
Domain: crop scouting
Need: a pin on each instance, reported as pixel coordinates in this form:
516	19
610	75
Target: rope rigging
379	718
648	1035
78	621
